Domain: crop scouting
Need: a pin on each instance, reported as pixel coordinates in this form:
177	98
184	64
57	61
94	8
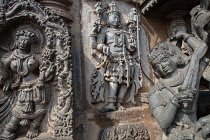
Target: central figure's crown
112	9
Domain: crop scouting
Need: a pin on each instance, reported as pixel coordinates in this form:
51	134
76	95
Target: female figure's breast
28	65
33	64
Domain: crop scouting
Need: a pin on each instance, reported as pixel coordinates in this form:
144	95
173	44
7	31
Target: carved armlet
175	102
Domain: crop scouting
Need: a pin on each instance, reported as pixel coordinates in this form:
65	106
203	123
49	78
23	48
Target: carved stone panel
115	49
118	67
36	72
173	100
125	132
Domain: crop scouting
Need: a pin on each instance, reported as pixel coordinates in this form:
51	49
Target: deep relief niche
36	72
174	99
117	77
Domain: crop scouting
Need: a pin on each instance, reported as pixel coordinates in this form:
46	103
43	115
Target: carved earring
180	61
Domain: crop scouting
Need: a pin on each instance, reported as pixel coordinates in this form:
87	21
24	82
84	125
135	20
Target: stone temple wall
93	76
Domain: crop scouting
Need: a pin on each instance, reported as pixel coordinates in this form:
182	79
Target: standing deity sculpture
173	100
119	67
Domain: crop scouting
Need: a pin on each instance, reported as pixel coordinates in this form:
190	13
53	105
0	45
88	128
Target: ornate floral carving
38	59
128	132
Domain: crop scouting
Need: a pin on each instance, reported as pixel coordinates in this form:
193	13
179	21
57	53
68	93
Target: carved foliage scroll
126	132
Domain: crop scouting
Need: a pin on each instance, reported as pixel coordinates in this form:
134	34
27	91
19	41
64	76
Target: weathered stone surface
129	131
162	20
37	89
60	7
173	100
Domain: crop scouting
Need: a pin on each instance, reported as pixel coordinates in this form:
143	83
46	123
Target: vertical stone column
177	22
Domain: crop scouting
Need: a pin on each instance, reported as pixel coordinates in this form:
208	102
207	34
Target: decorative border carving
124	132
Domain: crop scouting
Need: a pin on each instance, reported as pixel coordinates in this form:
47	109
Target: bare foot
32	133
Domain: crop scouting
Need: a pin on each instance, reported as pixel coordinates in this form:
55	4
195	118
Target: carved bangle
175	102
188	37
120	100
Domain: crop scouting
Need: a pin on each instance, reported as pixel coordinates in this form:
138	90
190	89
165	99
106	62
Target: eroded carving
38	62
119	64
129	132
173	100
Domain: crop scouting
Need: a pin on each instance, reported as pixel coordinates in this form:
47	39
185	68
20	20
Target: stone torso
115	39
24	65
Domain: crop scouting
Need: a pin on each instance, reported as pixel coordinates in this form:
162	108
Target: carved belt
28	95
28	84
20	115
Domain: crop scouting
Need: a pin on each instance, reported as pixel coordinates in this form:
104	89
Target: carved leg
120	98
34	126
10	128
112	98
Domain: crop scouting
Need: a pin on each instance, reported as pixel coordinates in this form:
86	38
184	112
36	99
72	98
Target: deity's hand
203	125
179	36
198	126
39	84
51	68
190	92
103	49
133	45
181	98
205	131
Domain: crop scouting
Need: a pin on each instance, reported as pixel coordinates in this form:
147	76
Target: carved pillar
177	22
60	7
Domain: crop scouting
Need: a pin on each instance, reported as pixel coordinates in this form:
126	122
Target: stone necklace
22	62
119	36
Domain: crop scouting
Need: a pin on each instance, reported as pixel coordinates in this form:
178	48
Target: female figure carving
28	81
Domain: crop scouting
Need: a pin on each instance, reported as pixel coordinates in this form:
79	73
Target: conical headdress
112	8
